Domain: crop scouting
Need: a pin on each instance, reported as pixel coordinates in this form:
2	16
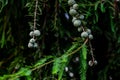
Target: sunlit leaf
97	5
56	66
3	4
3	40
84	52
83	62
24	72
42	61
102	7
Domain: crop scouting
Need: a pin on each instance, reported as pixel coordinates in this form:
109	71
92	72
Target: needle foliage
60	42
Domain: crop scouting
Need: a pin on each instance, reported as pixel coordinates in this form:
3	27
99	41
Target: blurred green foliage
59	42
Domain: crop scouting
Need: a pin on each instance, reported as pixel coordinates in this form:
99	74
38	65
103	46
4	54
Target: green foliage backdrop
60	42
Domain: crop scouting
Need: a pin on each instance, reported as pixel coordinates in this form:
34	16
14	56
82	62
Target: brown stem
91	51
59	57
35	15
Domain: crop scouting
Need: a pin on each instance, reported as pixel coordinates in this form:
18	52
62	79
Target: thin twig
91	51
42	65
78	48
60	56
35	15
